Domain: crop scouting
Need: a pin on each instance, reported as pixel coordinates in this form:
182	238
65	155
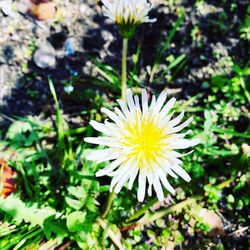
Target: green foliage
59	119
245	26
233	86
58	199
44	210
22	212
164	46
75	221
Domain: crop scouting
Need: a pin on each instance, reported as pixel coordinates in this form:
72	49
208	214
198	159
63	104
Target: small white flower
127	14
141	139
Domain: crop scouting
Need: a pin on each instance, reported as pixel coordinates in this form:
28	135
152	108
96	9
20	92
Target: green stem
124	90
149	218
108	204
142	210
243	85
114	237
124	68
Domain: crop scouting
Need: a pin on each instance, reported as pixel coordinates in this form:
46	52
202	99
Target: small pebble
6	7
45	56
69	46
23	6
43	11
69	89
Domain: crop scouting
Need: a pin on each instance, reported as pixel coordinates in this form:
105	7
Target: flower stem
142	210
124	90
114	237
108	204
124	67
151	217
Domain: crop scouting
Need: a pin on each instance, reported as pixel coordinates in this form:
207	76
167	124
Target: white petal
100	127
177	154
184	143
144	98
104	141
96	155
153	103
124	108
164	164
181	172
158	188
142	186
119	173
112	116
165	121
121	182
137	102
119	170
107	170
165	181
167	106
119	113
176	120
183	125
133	174
150	183
130	100
112	127
108	157
182	135
161	99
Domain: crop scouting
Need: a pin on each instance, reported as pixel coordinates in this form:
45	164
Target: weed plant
59	202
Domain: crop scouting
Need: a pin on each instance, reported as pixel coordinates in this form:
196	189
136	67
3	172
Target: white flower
127	14
142	140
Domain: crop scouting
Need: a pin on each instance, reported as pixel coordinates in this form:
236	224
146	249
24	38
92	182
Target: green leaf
172	64
103	188
59	117
22	212
43	217
90	204
76	204
17	129
165	46
178	238
245	72
79	192
75	221
230	198
236	68
54	225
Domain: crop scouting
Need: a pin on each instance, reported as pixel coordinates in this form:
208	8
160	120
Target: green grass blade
165	46
59	118
173	64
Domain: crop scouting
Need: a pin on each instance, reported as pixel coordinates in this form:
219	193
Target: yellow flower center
119	20
144	137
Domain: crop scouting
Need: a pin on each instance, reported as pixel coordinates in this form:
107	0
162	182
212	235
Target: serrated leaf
90	204
75	221
230	198
103	188
76	204
21	212
53	225
43	217
16	130
246	72
79	192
